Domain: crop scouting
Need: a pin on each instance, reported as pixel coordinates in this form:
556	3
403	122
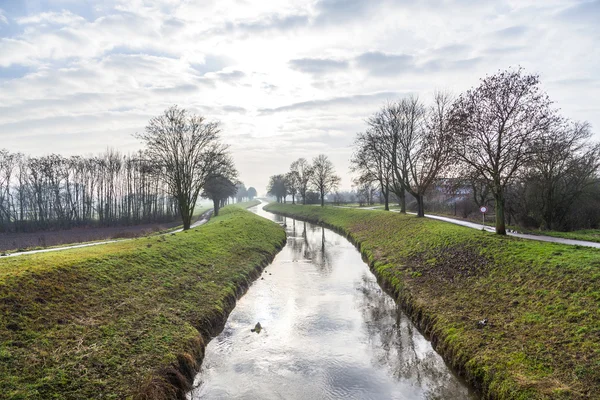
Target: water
329	332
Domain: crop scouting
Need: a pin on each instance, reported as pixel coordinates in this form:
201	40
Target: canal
328	332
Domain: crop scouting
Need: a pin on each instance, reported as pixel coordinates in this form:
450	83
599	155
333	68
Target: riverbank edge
175	381
172	378
478	376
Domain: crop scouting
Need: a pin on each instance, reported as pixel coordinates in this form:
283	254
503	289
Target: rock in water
257	328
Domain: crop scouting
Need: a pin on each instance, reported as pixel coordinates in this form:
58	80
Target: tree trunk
386	197
420	206
216	207
293	199
322	199
500	224
402	201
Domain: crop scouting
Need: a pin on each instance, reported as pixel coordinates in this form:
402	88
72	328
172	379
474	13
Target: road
468	224
203	219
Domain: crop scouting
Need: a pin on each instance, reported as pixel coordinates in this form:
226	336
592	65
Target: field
129	319
38	240
541	300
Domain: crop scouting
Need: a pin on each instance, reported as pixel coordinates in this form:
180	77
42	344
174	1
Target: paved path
203	219
473	225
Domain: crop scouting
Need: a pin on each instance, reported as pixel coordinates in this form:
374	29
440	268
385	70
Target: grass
542	300
198	211
590	235
246	204
122	320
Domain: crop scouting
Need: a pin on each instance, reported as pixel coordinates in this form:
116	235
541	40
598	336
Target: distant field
115	321
43	239
11	242
542	339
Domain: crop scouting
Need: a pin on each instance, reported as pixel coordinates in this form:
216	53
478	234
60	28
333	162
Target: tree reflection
398	346
312	247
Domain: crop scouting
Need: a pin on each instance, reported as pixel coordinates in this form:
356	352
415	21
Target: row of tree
183	159
58	192
496	137
305	178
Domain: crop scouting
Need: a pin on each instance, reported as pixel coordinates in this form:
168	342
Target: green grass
591	235
105	321
246	204
542	299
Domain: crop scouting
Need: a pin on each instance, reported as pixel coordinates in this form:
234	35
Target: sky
286	79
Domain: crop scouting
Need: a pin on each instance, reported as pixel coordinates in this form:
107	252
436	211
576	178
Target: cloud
584	11
273	22
179	89
338	11
352	100
234	109
230	76
3	19
381	64
318	66
512	32
60	18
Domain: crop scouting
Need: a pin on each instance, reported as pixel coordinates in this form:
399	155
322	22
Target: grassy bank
129	319
542	300
246	204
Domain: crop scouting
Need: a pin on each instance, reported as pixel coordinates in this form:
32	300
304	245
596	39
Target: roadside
553	237
128	319
519	319
205	214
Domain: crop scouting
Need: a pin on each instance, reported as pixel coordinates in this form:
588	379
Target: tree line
183	159
307	181
53	191
503	140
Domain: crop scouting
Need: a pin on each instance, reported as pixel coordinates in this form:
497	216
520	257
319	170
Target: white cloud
64	17
287	78
3	19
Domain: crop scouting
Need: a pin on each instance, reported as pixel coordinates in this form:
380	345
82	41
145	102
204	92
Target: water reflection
329	332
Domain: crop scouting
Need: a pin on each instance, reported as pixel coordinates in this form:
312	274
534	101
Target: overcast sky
286	78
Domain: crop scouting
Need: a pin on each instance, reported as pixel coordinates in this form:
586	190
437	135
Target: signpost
483	210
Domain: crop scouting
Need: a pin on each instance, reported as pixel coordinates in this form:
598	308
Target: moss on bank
128	319
542	300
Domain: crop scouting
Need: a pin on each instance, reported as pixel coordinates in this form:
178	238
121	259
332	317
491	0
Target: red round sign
483	209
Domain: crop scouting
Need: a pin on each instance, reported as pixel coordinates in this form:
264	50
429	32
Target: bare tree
495	125
324	178
293	184
563	165
304	172
424	145
370	161
389	124
218	188
278	187
187	148
415	141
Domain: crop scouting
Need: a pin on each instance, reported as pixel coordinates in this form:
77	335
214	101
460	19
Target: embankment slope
542	300
129	319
